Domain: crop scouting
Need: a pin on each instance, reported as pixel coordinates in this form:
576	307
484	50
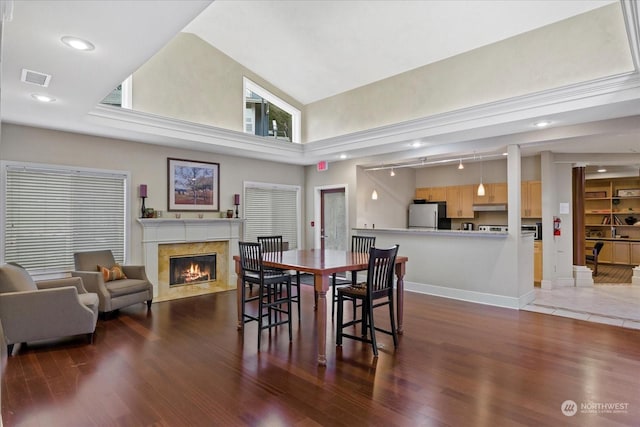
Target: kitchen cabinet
537	261
493	193
531	199
434	194
459	200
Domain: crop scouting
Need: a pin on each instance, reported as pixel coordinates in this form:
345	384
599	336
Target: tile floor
617	305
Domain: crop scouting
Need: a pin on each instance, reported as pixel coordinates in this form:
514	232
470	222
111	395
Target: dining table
323	263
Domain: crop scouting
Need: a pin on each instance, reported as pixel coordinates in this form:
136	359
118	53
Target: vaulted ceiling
335	46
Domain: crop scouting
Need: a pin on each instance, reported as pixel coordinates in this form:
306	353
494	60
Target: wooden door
466	201
453	202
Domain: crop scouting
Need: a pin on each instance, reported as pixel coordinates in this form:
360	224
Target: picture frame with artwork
193	185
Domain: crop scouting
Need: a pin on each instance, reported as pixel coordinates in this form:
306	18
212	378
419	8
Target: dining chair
360	244
275	244
377	291
273	304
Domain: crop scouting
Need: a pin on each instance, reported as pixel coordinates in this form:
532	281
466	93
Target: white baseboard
471	296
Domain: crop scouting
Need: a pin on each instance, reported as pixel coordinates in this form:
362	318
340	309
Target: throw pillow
113	273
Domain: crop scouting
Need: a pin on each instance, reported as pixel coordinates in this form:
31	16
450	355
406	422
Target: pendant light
374	195
481	186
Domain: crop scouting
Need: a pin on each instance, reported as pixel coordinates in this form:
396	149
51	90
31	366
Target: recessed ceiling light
505	154
416	144
343	156
542	123
602	170
77	43
42	98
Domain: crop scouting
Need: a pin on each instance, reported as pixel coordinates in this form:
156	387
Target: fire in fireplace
192	269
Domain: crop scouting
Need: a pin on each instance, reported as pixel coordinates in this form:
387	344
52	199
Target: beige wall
191	80
586	47
146	163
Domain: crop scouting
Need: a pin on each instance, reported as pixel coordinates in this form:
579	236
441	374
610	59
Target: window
121	96
50	212
272	209
267	115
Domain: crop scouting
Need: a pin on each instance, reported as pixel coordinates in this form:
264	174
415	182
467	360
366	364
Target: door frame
317	213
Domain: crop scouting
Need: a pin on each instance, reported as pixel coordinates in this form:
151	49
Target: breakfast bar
494	268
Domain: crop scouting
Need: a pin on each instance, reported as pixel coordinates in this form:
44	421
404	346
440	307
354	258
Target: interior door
333	219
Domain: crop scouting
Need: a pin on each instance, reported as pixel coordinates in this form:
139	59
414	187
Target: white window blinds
272	210
50	213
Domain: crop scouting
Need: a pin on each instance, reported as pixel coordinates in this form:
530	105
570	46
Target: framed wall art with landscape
193	185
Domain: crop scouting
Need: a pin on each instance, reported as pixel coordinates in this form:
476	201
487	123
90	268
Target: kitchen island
494	268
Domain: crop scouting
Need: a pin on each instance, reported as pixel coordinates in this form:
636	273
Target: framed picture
193	186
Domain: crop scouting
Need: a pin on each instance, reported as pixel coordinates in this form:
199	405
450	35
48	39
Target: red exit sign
322	166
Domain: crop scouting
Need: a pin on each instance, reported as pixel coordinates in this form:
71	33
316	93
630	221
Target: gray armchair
47	309
113	294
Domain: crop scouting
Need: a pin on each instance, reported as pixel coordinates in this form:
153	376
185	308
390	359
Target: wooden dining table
323	264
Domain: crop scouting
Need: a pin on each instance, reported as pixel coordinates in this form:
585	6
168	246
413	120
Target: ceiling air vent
36	78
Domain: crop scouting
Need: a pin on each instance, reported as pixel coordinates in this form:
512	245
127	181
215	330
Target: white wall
147	164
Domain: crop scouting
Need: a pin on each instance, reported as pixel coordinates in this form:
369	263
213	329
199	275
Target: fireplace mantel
158	231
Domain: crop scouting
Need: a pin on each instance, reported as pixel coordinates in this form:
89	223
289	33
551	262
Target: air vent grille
36	78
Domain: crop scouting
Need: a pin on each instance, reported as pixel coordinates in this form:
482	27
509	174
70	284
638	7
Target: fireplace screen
192	269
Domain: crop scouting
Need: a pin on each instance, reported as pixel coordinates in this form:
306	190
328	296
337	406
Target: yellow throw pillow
114	273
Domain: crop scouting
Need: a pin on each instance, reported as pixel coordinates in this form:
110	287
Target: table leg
321	284
400	271
239	291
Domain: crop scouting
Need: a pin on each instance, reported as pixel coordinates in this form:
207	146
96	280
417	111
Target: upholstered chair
117	286
47	309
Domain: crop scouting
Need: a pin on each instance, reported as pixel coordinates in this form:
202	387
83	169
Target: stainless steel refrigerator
429	215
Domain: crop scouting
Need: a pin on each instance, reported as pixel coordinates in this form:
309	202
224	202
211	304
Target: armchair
113	294
34	311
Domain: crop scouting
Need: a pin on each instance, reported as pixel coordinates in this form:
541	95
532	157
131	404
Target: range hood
490	207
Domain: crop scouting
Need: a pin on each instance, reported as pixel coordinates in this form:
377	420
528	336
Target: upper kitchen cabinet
460	201
531	199
433	194
493	193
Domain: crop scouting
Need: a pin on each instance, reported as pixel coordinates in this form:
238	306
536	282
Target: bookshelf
612	207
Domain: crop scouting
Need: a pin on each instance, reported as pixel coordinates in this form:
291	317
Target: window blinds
272	210
52	213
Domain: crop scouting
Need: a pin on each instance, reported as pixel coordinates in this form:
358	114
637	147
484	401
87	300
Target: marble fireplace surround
162	238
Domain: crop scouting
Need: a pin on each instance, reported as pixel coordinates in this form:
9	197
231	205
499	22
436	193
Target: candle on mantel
236	199
143	190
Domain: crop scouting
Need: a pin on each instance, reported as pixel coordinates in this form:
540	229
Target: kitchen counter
487	267
450	233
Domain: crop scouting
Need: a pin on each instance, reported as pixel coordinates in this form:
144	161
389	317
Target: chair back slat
381	267
362	244
270	243
250	257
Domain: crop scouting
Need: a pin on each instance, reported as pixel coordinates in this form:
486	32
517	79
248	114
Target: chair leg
10	349
333	295
90	337
149	304
369	320
394	333
289	308
339	324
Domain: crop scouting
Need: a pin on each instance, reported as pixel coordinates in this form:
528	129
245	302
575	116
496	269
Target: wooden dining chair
360	244
377	291
593	258
275	244
274	306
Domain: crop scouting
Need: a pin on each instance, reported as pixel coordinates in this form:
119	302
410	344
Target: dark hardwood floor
458	364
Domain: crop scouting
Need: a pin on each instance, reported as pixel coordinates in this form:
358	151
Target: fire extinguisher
556	225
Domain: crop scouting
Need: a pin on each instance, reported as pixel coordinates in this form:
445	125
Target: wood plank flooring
458	364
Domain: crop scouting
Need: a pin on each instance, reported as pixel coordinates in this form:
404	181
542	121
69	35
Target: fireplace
192	269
